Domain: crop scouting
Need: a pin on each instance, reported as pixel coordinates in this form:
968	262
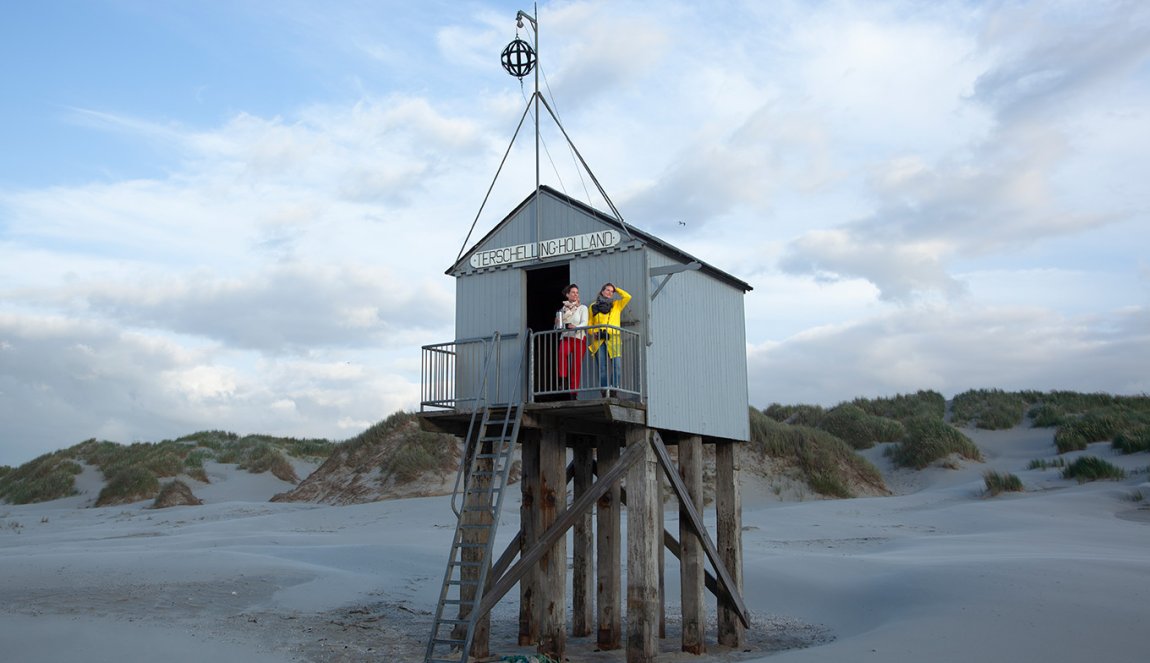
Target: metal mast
535	100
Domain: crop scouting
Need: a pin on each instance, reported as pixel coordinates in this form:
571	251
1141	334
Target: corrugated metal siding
489	302
697	360
694	371
484	304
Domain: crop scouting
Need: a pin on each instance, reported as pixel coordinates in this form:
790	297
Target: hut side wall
697	359
486	304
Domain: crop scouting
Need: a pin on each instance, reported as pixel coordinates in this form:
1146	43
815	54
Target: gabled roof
608	220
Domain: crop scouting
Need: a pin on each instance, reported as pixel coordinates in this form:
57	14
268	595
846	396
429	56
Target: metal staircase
477	502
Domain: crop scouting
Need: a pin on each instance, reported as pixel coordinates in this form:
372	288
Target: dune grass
929	439
989	409
923	403
810	436
800	415
828	465
175	493
997	483
136	469
1132	440
1092	468
852	425
129	484
1126	427
415	451
1042	463
48	477
1053	408
1080	419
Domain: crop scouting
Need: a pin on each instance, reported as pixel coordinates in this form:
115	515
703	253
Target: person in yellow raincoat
606	343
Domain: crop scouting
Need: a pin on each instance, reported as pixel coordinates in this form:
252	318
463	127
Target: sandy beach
937	572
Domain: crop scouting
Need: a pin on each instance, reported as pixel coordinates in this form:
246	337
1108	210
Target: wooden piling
529	488
644	540
551	602
692	564
608	537
583	542
729	535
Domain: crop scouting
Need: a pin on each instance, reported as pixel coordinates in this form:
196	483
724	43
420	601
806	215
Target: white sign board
548	248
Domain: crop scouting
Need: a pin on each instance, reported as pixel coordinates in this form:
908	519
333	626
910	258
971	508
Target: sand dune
935	573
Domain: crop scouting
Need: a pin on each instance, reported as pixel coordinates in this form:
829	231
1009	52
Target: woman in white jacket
571	318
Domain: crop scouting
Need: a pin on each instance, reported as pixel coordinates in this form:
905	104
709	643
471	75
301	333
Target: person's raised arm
624	297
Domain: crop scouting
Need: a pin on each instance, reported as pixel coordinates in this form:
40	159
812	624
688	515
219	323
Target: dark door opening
545	295
544	299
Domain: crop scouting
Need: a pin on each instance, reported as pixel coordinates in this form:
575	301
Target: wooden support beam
477	511
608	541
531	554
729	531
730	591
528	588
692	565
643	527
583	542
513	548
660	558
504	561
672	546
551	602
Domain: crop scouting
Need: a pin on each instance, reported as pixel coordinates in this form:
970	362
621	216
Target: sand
937	572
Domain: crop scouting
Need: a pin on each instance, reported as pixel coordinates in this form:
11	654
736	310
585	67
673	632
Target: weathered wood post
691	560
728	530
583	541
644	539
528	585
478	513
552	579
661	554
608	538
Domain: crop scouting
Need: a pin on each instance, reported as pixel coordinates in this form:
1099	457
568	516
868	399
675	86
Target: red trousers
569	345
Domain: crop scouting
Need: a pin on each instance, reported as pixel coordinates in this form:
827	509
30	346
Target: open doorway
545	295
544	299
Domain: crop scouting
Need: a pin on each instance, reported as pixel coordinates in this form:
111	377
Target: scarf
602	305
569	306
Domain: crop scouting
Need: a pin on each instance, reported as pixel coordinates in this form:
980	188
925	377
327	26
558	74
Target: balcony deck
599	416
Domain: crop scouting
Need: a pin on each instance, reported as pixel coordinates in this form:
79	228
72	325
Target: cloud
286	309
955	349
66	380
1043	67
57	372
1010	187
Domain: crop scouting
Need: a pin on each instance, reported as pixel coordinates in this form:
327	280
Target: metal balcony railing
562	364
451	374
559	365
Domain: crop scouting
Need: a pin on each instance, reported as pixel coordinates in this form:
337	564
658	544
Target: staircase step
497	431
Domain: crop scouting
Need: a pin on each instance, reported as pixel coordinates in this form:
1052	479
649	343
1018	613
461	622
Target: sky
237	215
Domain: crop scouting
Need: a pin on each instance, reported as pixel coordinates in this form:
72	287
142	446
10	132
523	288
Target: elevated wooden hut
507	382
